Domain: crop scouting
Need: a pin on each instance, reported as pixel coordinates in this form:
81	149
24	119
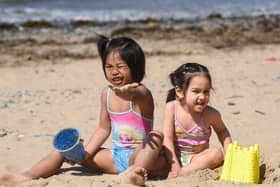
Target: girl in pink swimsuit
127	110
188	121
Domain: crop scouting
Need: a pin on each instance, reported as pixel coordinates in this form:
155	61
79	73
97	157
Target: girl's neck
192	114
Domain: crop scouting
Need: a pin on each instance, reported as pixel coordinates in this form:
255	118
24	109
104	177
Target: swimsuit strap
130	106
200	122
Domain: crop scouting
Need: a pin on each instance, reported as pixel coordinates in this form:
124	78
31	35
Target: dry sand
39	96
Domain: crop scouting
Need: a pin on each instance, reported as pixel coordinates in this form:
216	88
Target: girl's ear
179	92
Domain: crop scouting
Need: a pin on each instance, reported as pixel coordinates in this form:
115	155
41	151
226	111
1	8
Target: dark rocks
54	43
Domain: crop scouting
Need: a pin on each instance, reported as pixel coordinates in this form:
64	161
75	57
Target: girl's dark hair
128	50
183	75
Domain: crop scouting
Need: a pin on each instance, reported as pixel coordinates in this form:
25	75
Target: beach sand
49	83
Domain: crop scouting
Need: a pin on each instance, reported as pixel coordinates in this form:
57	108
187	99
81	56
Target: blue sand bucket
68	142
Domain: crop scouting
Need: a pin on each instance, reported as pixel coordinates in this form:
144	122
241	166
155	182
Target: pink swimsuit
188	142
129	129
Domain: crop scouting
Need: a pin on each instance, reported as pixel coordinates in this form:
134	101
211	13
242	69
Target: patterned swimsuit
129	129
189	142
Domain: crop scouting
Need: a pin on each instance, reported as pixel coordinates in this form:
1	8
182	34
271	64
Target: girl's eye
195	91
122	66
118	67
108	67
207	92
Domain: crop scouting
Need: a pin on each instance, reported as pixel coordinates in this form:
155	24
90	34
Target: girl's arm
102	132
139	94
220	128
128	91
168	141
131	91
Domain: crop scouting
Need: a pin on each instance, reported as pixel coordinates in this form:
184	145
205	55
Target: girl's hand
174	172
125	91
125	88
73	162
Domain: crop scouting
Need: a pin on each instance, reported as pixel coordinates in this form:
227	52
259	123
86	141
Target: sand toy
241	164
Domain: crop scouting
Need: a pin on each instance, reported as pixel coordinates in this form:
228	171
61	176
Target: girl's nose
201	96
115	70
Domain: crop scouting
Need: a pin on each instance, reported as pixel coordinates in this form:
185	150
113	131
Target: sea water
18	11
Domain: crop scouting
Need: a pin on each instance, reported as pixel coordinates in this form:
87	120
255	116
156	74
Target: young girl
126	111
189	120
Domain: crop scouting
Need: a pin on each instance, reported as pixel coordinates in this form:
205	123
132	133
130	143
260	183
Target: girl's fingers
69	162
125	87
133	85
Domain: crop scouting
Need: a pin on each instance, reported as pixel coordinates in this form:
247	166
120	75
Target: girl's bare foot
133	175
8	179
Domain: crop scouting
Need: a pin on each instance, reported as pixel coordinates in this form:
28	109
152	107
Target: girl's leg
102	160
148	154
8	179
44	168
49	165
133	175
145	158
209	158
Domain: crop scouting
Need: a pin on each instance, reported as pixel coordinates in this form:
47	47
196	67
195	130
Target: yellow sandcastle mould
241	164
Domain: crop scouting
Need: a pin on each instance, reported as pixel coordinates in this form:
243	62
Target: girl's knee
157	134
217	156
155	137
55	154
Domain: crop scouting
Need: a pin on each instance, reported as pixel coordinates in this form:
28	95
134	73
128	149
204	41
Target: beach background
51	75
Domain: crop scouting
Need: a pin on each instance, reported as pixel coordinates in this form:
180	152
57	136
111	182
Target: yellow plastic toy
241	164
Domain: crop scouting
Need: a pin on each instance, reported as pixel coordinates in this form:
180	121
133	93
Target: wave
20	15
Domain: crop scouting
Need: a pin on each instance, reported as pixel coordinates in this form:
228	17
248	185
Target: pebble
260	112
3	105
231	103
20	136
3	132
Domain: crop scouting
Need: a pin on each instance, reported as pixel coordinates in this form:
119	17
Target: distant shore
214	30
57	42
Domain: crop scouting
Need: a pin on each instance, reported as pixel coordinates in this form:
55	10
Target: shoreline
190	37
213	25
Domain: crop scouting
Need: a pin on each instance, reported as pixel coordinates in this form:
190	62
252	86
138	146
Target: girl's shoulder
104	90
144	92
104	93
145	89
170	103
211	114
211	110
170	106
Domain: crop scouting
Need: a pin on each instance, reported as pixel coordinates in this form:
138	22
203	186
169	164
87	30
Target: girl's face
197	94
117	71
